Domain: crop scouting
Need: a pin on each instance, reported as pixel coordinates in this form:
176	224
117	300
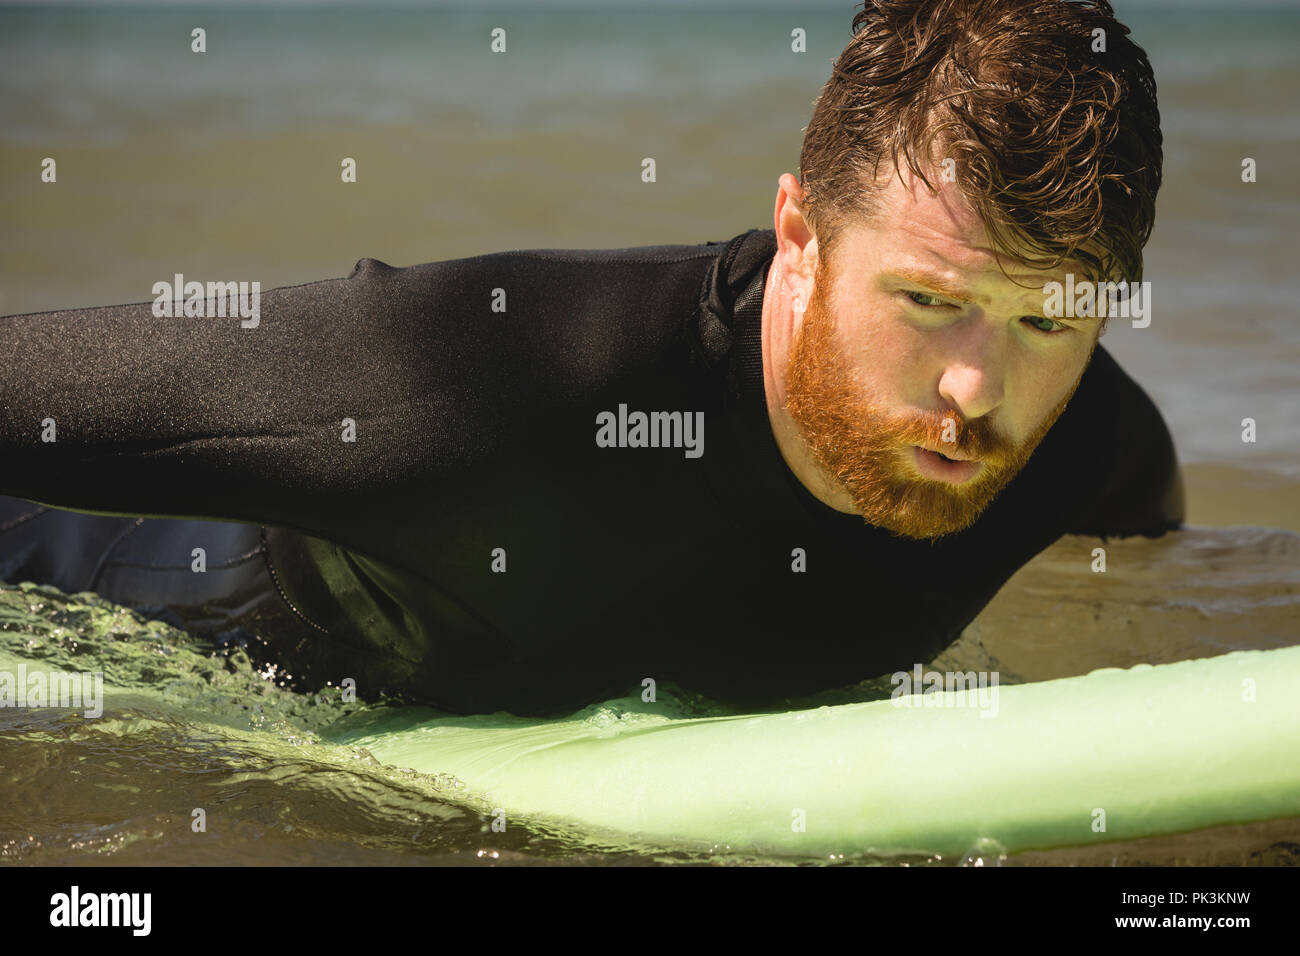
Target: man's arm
118	411
1139	485
201	417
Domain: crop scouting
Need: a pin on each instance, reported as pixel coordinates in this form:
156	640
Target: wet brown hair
1056	147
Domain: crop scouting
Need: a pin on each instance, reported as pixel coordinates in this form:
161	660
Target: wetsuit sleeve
117	410
1137	484
354	408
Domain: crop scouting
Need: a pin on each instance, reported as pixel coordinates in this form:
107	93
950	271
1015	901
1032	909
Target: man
525	480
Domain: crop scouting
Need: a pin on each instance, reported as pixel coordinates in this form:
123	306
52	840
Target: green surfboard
1111	755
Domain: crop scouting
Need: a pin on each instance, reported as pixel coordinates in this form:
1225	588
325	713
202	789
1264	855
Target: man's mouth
937	466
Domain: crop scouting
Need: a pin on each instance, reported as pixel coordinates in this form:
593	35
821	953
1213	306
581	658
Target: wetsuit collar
736	293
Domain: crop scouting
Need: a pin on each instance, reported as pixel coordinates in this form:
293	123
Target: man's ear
796	243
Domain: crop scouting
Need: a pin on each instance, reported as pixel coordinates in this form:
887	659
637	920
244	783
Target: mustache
878	431
973	438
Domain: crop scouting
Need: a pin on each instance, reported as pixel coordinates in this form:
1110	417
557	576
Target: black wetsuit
475	430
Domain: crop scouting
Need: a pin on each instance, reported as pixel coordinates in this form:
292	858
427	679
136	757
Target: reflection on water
204	730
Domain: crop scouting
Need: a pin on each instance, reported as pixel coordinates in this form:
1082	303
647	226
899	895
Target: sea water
209	739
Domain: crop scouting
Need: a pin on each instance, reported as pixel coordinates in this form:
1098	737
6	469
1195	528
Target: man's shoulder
1119	452
1109	403
661	253
513	335
620	294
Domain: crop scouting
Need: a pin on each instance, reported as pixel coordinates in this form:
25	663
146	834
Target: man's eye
1054	327
918	296
1041	323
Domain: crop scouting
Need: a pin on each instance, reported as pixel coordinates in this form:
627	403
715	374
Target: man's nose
974	371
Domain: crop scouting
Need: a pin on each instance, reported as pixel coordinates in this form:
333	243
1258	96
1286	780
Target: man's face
889	361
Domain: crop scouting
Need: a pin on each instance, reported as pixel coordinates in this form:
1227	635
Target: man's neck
777	337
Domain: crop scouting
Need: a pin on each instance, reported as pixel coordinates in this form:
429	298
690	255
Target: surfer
399	477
